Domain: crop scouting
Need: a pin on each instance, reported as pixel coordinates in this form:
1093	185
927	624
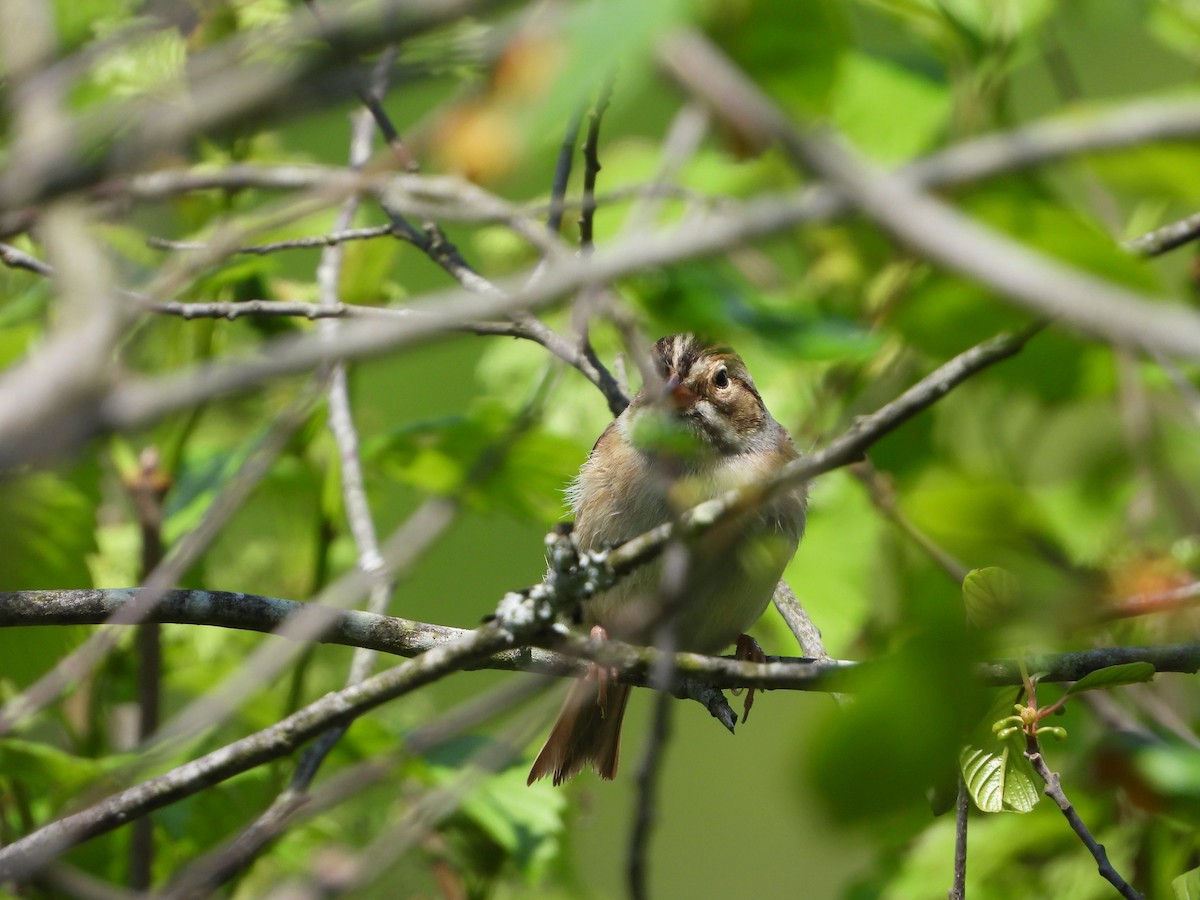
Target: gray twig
962	806
591	167
1055	792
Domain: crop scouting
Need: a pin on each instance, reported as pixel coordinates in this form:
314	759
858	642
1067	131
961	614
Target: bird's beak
677	393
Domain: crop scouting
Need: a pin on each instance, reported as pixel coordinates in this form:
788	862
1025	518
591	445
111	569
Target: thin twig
1054	791
337	236
962	806
562	174
591	167
676	561
883	497
808	635
647	789
147	488
19	259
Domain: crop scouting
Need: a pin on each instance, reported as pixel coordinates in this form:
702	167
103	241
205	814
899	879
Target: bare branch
807	634
1055	792
404	637
331	239
1168	237
19	259
1028	278
233	80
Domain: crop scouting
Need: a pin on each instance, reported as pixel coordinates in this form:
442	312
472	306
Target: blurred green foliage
1066	477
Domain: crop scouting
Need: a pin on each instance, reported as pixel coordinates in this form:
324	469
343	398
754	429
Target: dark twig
676	560
562	174
1054	791
147	487
591	167
962	806
883	497
647	789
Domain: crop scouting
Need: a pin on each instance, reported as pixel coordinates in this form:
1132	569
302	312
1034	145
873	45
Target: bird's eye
721	379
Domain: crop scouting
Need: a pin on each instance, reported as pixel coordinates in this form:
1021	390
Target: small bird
635	479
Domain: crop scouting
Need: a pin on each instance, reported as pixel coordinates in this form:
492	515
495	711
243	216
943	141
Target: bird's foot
748	650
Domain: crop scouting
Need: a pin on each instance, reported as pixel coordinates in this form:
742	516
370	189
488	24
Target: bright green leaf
1187	885
1113	676
890	113
1000	778
989	595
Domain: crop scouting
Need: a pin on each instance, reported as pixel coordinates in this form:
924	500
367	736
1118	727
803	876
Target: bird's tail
587	731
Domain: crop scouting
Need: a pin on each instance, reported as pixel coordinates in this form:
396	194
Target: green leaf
1172	770
989	595
999	778
1113	676
880	754
886	110
49	534
440	457
525	821
47	772
796	64
1187	885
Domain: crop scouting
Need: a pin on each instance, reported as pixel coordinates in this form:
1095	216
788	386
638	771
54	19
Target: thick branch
405	637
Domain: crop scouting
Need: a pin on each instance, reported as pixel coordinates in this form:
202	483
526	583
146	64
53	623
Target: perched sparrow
631	483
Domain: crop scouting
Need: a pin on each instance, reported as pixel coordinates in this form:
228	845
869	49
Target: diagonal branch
1026	277
1055	792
